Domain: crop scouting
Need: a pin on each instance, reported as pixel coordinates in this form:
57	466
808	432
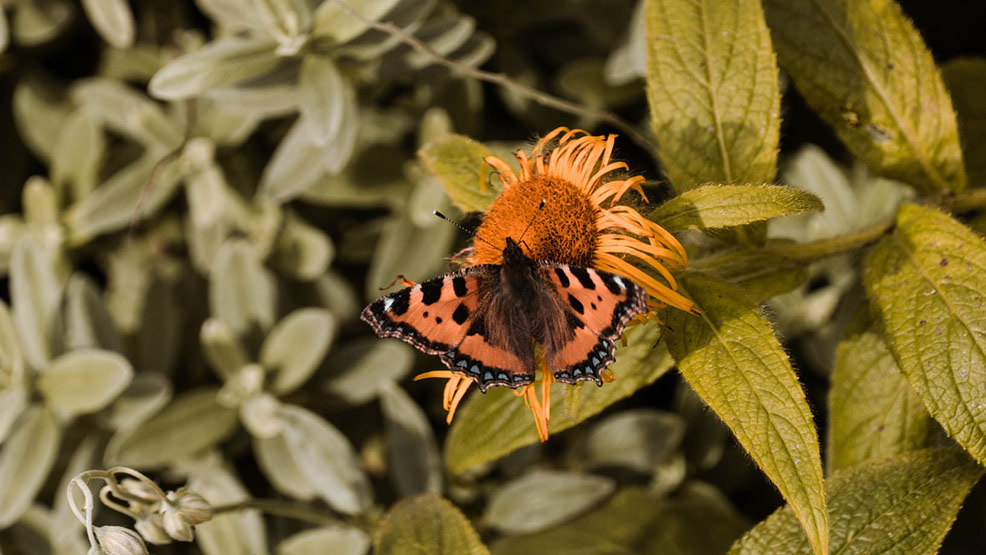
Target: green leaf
288	21
39	113
87	321
326	459
135	192
277	461
84	381
730	357
366	366
542	499
457	162
904	504
864	68
426	525
11	355
713	92
25	460
224	61
36	293
221	348
323	97
35	23
298	162
241	290
638	439
77	155
332	21
302	251
112	20
873	411
120	108
4	32
295	347
718	206
490	425
414	463
338	540
964	77
927	282
761	273
13	401
239	532
193	422
697	519
147	393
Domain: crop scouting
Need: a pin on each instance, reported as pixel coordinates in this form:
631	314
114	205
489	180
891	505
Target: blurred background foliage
198	197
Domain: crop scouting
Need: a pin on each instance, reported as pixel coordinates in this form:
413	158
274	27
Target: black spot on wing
478	327
573	321
431	291
610	283
459	286
583	276
575	304
402	300
562	277
461	314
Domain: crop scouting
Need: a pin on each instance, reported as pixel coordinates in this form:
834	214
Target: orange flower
580	224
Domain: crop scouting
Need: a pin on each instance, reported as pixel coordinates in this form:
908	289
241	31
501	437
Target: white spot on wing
387	303
619	282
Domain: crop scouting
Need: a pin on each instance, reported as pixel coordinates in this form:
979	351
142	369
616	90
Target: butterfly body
483	320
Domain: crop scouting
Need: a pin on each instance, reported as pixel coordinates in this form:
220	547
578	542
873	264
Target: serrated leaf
864	68
718	206
193	422
295	347
338	540
36	293
224	61
415	465
697	519
112	20
84	381
457	161
543	499
927	282
904	504
322	97
730	357
874	412
135	192
426	525
241	290
713	92
326	459
25	460
963	77
490	425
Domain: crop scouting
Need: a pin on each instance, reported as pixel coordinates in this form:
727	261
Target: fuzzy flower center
563	231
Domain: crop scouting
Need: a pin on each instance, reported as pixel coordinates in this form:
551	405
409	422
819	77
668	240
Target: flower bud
152	528
192	507
176	527
117	540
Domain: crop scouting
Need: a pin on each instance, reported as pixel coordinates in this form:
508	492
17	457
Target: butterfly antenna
530	223
471	232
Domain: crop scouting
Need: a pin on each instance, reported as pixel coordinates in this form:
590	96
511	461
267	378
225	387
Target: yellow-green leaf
222	62
25	460
731	358
490	425
873	411
113	21
718	206
84	381
426	525
964	78
761	273
928	281
457	162
864	68
713	93
904	504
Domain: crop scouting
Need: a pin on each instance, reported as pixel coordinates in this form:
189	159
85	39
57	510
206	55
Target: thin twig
298	511
504	81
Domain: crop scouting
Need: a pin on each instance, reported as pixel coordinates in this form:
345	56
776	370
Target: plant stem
277	507
506	82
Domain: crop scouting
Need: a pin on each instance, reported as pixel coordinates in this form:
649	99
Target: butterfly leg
404	281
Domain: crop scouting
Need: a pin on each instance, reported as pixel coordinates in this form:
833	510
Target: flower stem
299	511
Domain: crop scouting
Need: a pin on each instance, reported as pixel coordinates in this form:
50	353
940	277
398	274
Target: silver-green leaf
84	381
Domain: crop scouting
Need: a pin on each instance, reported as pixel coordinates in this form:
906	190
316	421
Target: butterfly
481	320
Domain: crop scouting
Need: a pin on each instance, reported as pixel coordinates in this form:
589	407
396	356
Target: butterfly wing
433	315
460	317
597	307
